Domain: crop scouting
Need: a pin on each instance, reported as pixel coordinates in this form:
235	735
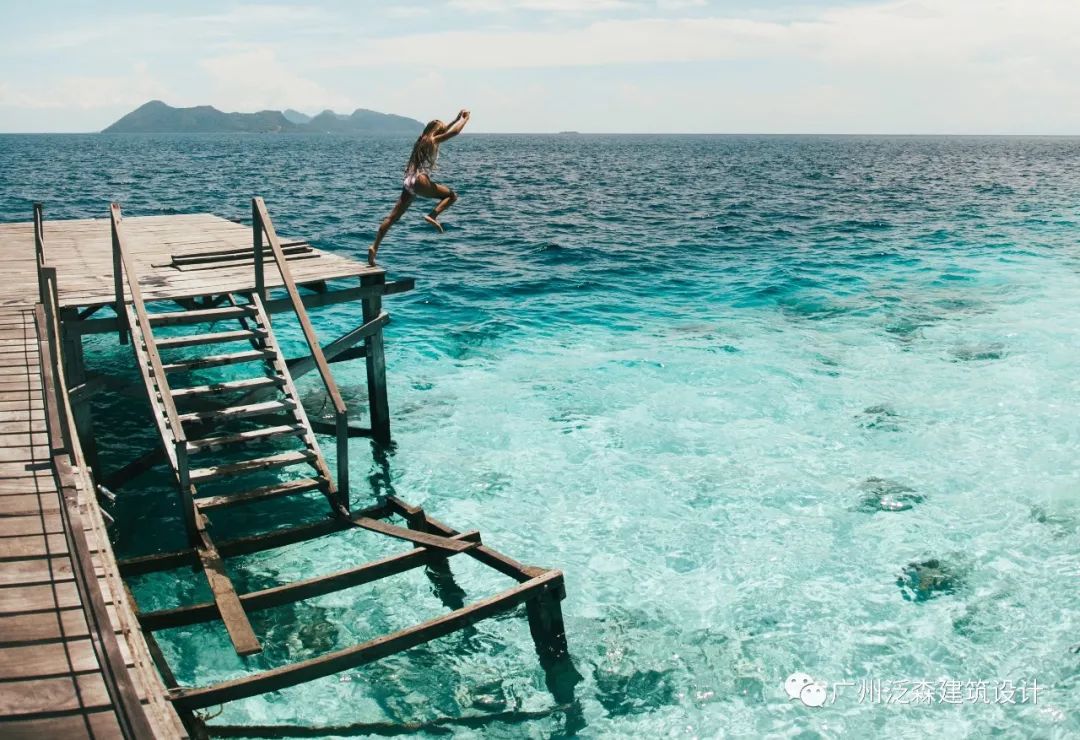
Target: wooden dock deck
177	257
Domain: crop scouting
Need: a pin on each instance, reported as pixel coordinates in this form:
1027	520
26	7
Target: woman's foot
371	256
434	222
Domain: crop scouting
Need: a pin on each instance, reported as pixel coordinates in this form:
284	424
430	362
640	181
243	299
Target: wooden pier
79	657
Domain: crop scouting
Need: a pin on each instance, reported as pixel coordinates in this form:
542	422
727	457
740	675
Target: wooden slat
200	475
238	412
200	316
222	441
410	535
248	384
221	337
261	493
232	358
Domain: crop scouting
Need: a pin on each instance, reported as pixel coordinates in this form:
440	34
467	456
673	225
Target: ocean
774	404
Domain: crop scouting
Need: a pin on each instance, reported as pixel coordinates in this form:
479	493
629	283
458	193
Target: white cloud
576	7
255	79
909	32
87	92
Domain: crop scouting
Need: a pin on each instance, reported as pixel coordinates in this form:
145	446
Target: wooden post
341	429
438	567
378	404
257	244
546	625
118	284
39	234
75	375
187	501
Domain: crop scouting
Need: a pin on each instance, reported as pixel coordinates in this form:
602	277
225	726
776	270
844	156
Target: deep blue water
773	404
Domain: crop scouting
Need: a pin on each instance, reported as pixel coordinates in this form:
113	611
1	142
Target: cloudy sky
770	66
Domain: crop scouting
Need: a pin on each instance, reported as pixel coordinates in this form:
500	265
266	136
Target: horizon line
567	132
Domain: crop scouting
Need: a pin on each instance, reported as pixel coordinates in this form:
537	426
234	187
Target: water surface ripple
773	404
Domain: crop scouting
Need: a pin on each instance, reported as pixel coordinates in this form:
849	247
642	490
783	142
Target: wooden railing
262	225
177	451
68	467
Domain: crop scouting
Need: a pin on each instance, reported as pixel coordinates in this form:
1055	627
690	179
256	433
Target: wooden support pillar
438	567
546	625
378	404
75	373
549	637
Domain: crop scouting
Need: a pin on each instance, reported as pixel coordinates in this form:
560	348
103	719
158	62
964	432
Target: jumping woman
418	180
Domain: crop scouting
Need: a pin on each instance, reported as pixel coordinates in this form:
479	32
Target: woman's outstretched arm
454	128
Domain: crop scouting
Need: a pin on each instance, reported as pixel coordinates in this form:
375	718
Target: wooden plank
53	695
410	535
261	493
247	545
42	597
505	565
61	624
200	363
228	413
308	588
248	384
35	572
270	462
228	604
200	316
47	659
99	724
24	505
221	337
219	442
20	526
340	660
32	546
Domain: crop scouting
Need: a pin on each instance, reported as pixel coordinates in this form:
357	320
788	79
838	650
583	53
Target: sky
618	66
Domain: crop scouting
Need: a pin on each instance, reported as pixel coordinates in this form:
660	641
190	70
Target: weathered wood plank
366	652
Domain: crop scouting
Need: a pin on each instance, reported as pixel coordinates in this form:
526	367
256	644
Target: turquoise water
773	405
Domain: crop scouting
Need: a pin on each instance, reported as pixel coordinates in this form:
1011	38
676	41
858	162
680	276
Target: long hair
426	149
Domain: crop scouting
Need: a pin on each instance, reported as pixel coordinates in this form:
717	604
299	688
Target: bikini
408	184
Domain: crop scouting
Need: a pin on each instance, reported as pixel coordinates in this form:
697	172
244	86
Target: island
157	117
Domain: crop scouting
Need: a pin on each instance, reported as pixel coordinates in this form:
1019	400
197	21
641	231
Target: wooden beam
420	538
278	305
340	660
246	545
303	365
306	589
487	556
227	602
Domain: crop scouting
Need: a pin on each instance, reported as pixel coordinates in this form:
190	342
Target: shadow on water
560	674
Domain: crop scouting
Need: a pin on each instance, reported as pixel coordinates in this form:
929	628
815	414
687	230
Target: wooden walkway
56	675
175	256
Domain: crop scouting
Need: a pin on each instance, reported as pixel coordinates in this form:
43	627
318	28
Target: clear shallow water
733	386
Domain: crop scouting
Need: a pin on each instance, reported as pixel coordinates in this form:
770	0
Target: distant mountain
158	118
295	116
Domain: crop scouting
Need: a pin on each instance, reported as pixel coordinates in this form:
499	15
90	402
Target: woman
418	182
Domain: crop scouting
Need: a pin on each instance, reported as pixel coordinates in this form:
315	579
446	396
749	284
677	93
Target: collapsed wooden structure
171	305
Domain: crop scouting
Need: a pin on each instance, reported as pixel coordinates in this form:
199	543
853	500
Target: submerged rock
882	494
927	579
1059	524
881	417
976	352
